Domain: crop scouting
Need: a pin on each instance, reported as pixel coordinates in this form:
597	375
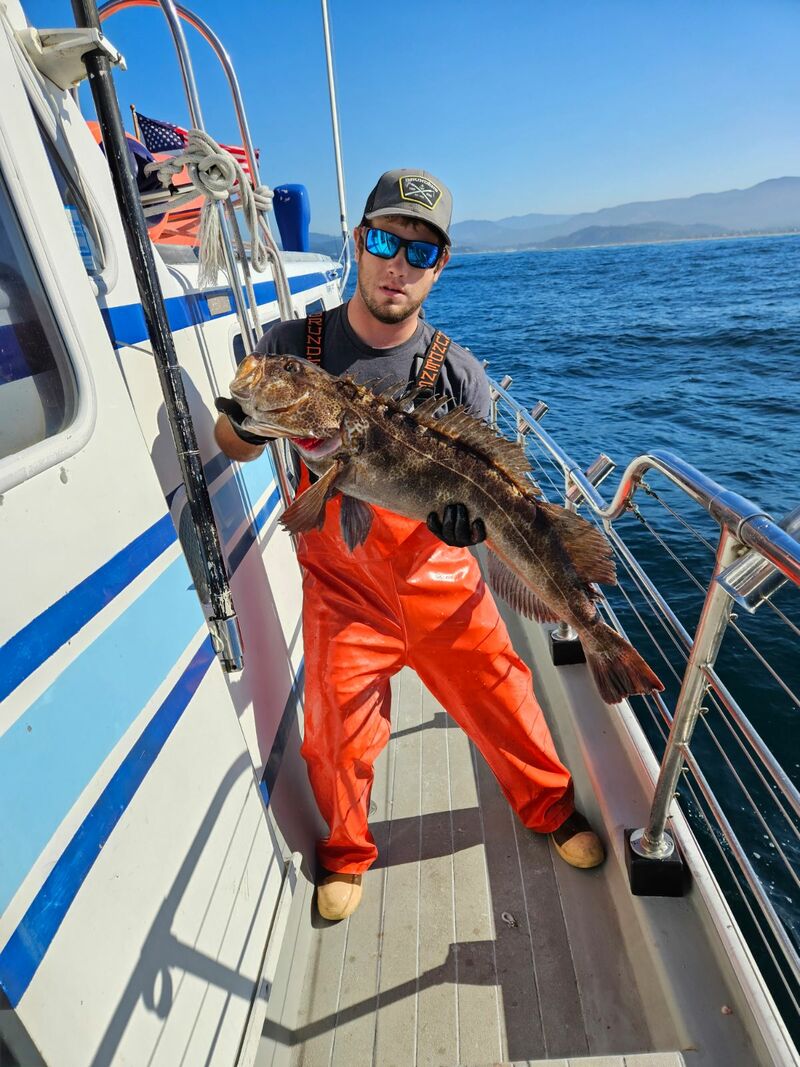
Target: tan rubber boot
338	896
577	843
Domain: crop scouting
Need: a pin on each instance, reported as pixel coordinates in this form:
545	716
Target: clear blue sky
519	105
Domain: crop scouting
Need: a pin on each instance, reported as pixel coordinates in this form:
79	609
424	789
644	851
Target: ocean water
692	347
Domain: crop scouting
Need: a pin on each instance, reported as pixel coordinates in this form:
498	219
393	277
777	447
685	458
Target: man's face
392	289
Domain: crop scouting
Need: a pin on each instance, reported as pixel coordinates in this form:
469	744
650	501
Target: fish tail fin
618	669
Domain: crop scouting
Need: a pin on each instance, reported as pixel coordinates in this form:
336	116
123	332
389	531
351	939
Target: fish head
286	396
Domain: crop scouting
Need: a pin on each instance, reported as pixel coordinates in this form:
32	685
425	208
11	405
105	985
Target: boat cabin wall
143	855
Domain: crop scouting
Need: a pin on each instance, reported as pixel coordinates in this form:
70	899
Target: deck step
639	1059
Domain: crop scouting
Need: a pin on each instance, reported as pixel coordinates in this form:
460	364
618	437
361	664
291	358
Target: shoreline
626	244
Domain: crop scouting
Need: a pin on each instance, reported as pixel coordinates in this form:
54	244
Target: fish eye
291	367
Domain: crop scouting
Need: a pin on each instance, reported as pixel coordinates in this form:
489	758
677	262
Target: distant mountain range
770	207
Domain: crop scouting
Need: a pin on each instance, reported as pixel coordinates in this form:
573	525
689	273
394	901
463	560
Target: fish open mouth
285	409
317	446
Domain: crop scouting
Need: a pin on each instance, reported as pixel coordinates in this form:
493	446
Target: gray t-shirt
462	376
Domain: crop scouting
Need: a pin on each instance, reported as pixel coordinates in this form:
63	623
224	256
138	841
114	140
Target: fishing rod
223	624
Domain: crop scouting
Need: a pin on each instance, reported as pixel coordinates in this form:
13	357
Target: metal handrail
741	523
283	290
174	13
196	117
776	772
746	521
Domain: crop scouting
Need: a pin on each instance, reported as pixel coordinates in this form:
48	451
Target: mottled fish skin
543	559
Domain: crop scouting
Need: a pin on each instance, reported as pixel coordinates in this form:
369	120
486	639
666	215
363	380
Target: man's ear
445	256
358	241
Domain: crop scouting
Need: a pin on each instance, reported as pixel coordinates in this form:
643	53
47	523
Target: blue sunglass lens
422	254
383	244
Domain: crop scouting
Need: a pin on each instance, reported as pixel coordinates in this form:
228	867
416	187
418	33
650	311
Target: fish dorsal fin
587	547
509	456
307	511
428	408
461	425
508	585
372	384
392	390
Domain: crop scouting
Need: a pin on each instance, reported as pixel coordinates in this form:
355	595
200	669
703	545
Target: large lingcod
542	559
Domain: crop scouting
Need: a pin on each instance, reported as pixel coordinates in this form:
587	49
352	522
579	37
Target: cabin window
38	396
77	211
238	344
315	306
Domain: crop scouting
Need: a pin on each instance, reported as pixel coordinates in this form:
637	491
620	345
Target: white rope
215	174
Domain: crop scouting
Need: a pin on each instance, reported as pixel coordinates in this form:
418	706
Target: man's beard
388	315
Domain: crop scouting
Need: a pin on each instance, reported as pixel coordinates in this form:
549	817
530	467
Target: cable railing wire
742	721
680	649
736	876
746	793
781	615
649	491
764	662
757	764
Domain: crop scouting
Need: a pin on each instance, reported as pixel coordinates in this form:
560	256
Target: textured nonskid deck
474	943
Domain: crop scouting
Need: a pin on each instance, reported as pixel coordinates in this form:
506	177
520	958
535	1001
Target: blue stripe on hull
240	549
50	755
30	647
126	324
28	944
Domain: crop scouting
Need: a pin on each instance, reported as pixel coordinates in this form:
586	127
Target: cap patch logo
420	190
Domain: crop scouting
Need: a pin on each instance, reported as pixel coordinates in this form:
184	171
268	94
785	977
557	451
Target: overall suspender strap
433	361
315	332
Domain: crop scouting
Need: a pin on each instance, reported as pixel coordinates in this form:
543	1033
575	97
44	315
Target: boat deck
474	942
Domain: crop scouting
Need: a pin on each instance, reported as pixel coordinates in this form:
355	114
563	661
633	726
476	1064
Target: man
410	595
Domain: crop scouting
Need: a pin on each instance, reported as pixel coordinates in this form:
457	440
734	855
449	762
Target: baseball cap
415	194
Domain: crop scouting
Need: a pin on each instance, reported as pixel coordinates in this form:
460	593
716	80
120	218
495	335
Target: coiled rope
215	174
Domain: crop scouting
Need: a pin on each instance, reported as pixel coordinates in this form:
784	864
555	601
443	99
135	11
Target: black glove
236	417
455	528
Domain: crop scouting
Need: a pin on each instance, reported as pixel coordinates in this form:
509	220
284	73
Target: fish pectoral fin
307	511
508	585
356	521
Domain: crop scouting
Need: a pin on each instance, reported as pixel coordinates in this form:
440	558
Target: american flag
161	136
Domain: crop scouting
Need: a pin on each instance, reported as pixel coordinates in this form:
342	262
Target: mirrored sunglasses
421	254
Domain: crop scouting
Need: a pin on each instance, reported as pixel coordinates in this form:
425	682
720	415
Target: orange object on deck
405	598
181	226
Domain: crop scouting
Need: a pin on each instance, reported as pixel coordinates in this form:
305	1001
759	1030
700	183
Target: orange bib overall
405	598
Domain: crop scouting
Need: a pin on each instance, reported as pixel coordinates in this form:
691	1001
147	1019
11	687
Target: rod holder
539	410
752	579
594	473
226	638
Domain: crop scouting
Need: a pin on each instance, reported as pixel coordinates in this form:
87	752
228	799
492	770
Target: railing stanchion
654	842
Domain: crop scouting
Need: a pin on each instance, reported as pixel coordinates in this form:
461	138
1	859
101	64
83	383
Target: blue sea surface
691	346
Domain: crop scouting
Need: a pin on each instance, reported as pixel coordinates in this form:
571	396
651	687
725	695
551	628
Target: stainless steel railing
249	324
738	790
